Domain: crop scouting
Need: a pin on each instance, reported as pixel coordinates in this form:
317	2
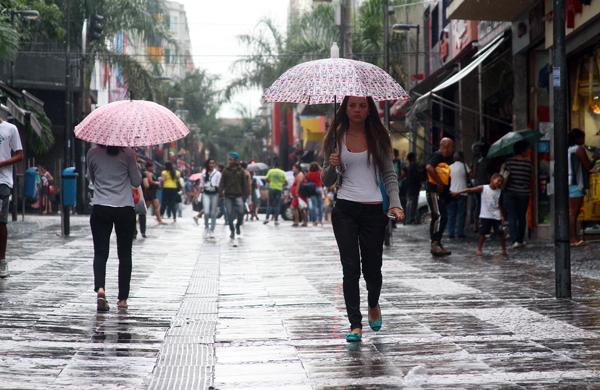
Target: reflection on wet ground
270	314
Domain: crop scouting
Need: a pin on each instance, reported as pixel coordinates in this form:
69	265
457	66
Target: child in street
490	213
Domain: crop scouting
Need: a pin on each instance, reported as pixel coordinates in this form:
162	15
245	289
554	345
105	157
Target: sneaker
266	221
276	223
211	234
4	269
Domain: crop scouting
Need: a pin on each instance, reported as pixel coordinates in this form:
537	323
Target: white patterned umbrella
131	123
330	80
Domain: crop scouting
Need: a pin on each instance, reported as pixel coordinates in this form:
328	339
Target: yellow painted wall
589	12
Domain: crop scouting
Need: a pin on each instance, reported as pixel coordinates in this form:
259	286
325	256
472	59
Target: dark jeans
359	231
438	204
235	212
456	215
412	208
274	207
101	221
516	206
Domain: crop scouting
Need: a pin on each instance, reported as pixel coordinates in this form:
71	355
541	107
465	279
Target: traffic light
96	26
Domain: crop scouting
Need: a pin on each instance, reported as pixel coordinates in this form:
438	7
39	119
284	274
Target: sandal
122	303
578	243
102	304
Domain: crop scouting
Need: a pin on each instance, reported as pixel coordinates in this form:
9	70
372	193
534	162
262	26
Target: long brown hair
379	144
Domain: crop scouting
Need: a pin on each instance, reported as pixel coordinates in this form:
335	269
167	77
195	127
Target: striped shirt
519	179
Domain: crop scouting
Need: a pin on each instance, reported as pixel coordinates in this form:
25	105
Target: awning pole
480	103
459	133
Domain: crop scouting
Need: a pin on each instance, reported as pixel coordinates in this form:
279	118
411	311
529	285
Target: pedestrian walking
457	208
113	171
579	170
139	205
438	194
254	199
414	182
234	188
358	157
277	183
11	152
315	201
490	214
299	202
170	189
209	185
47	189
517	172
150	186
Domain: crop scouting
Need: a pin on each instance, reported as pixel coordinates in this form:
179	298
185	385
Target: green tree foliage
368	37
201	99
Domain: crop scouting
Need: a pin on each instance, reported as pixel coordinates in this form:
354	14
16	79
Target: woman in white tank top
358	157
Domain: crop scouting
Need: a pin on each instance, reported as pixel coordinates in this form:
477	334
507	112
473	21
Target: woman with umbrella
358	156
113	171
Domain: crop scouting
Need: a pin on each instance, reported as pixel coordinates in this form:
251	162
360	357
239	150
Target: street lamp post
408	27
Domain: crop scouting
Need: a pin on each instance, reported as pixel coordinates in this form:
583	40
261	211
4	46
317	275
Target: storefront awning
479	57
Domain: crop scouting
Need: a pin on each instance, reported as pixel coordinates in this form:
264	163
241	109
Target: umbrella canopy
254	167
131	123
331	79
505	145
196	176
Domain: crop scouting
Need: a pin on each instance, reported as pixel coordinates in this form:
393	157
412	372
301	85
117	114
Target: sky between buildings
214	27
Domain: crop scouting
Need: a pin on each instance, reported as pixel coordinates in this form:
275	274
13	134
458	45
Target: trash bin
30	179
69	186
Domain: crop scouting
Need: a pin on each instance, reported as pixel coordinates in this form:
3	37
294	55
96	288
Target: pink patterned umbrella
131	123
331	79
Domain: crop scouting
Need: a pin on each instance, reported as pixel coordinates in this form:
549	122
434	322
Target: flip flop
578	244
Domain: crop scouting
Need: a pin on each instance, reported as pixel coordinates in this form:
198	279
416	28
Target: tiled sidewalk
270	314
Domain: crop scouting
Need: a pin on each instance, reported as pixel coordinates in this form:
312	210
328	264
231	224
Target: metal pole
480	103
283	138
65	219
417	56
347	28
386	56
562	254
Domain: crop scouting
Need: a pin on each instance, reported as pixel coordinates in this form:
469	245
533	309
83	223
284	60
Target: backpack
307	188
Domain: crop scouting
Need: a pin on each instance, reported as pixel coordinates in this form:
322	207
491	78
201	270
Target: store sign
463	32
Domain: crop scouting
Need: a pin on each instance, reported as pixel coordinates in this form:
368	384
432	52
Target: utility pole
386	56
562	251
65	218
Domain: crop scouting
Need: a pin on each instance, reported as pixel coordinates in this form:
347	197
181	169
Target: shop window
585	105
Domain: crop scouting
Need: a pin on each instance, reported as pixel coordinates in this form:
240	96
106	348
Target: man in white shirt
459	177
11	152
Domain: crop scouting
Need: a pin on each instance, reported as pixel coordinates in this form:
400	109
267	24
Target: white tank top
359	179
570	152
490	203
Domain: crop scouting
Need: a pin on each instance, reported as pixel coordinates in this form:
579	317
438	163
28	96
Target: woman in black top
516	192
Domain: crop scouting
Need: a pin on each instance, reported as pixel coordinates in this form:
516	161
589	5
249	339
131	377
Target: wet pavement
269	313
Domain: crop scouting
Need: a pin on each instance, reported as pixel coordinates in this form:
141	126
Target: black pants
102	220
516	206
170	202
359	231
439	214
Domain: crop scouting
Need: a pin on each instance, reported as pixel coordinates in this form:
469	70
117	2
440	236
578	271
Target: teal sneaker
353	337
